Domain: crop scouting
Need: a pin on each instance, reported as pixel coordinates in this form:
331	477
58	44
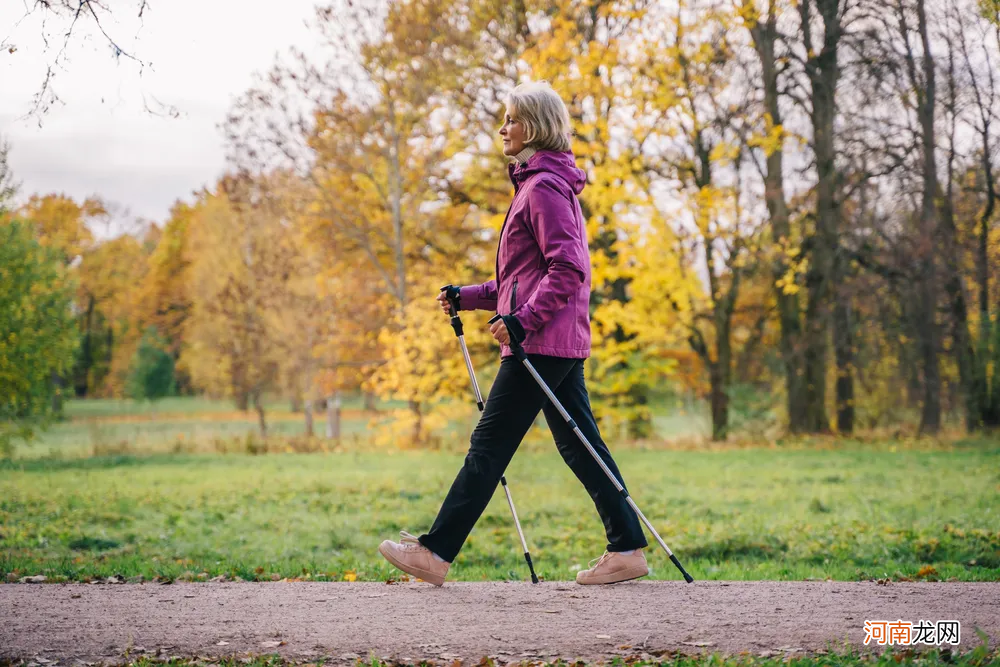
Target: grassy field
186	424
844	511
978	657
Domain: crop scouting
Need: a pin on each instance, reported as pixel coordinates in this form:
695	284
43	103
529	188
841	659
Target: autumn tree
237	265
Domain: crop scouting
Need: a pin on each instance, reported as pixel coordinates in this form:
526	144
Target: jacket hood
562	164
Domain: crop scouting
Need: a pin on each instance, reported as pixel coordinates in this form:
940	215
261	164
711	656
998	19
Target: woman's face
512	132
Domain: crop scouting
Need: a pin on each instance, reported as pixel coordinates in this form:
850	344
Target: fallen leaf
603	636
272	644
37	579
350	576
698	643
222	644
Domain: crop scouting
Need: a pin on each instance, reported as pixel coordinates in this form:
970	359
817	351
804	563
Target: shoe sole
626	575
426	575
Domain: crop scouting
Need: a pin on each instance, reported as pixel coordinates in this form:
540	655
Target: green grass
184	424
104	407
86	438
981	656
117	426
849	512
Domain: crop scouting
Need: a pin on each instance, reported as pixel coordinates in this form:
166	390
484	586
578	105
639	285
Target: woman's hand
447	295
500	333
442	298
505	327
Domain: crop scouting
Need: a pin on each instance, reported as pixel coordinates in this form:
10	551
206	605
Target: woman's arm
563	242
479	297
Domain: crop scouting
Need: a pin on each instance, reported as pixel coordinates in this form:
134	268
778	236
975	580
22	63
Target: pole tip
687	577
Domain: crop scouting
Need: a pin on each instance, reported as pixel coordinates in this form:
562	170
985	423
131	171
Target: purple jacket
543	262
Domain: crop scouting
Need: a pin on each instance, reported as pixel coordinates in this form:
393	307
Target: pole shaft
472	373
597	457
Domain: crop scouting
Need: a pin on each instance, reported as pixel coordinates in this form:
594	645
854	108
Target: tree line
793	197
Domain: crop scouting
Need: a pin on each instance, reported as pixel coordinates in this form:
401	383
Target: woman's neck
525	153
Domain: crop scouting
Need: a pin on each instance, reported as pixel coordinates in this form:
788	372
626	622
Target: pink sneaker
613	567
415	559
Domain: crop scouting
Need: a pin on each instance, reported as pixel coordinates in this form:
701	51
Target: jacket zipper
500	240
513	298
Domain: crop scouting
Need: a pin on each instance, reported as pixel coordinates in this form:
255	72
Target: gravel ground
510	622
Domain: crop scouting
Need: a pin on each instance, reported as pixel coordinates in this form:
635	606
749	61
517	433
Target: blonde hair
545	118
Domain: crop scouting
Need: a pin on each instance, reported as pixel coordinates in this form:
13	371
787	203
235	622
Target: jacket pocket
513	298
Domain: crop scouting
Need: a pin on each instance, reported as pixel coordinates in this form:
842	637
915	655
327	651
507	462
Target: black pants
511	408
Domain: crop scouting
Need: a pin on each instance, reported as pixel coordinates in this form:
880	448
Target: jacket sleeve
563	243
479	297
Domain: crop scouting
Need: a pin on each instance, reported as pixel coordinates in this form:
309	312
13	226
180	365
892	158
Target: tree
586	49
62	23
109	276
8	186
61	224
785	252
151	374
37	337
702	155
238	267
365	134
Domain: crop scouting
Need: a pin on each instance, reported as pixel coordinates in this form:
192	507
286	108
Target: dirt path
507	621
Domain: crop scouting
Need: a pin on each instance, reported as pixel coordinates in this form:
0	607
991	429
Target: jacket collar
518	170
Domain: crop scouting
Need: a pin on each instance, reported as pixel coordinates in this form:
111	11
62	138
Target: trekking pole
456	324
522	356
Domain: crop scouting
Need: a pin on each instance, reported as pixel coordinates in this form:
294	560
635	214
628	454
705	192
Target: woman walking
542	291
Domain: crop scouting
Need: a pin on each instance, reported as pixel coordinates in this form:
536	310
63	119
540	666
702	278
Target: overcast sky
101	141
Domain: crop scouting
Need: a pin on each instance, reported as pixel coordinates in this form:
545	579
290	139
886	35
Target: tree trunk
418	424
961	336
258	405
930	418
333	417
308	410
843	346
87	353
764	34
369	401
719	399
823	71
720	376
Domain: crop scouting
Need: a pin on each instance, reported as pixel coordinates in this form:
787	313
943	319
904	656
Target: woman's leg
514	401
621	524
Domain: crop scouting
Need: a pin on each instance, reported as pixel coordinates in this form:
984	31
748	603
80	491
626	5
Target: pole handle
514	345
456	321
